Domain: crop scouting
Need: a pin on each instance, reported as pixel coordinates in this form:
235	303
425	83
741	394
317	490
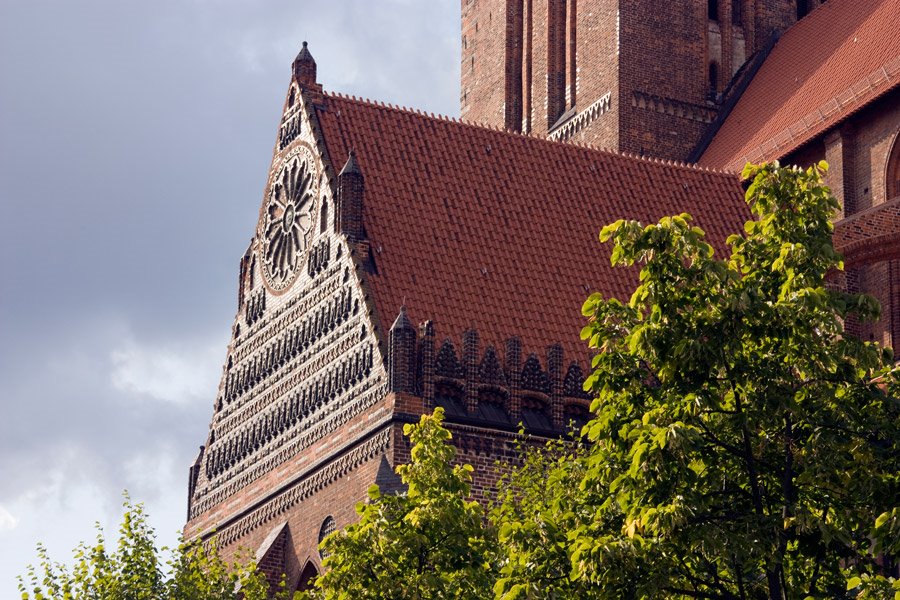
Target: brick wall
876	128
484	61
597	70
304	520
857	152
653	59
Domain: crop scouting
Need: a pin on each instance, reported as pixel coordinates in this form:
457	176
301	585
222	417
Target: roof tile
504	241
838	59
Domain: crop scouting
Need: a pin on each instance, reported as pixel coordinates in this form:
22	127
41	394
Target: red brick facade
628	75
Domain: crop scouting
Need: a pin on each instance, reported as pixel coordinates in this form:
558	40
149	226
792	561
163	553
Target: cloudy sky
134	143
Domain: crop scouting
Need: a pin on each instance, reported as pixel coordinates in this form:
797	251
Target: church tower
640	76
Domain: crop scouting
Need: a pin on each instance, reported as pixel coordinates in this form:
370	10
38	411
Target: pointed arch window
892	177
307	577
492	406
451	398
536	414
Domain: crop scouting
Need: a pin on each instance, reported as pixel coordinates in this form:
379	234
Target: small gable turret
401	354
351	187
305	68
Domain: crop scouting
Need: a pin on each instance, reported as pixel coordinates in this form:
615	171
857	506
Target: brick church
403	261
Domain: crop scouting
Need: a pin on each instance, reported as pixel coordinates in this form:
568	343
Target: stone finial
402	321
305	68
351	166
401	354
351	189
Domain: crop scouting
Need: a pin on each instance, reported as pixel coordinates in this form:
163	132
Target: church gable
304	358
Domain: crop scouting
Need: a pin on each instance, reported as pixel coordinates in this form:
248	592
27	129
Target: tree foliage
427	543
135	570
539	501
745	446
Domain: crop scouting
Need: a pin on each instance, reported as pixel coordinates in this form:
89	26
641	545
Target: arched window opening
323	218
536	414
892	180
802	8
576	416
292	98
307	577
328	527
712	7
713	80
492	406
451	398
737	17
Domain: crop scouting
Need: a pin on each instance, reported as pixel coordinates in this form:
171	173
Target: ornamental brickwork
303	368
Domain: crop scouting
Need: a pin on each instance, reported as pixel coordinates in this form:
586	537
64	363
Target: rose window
288	220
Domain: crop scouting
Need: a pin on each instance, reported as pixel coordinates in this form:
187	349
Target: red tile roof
475	227
841	57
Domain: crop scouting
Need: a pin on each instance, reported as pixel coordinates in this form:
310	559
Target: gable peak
304	67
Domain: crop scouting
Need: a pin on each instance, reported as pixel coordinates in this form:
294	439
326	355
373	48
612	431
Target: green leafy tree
134	570
430	542
743	445
539	501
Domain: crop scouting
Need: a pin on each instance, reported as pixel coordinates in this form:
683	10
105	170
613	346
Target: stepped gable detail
477	228
304	360
831	64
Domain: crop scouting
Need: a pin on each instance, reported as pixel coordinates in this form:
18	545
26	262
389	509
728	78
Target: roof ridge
580	144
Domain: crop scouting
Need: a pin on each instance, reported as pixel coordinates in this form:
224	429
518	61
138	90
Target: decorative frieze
584	118
672	107
447	364
243	377
499	393
290	128
315	393
293	375
573	383
317	260
277	319
533	376
363	397
255	307
306	486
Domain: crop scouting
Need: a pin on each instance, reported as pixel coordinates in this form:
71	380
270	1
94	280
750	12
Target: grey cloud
134	143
